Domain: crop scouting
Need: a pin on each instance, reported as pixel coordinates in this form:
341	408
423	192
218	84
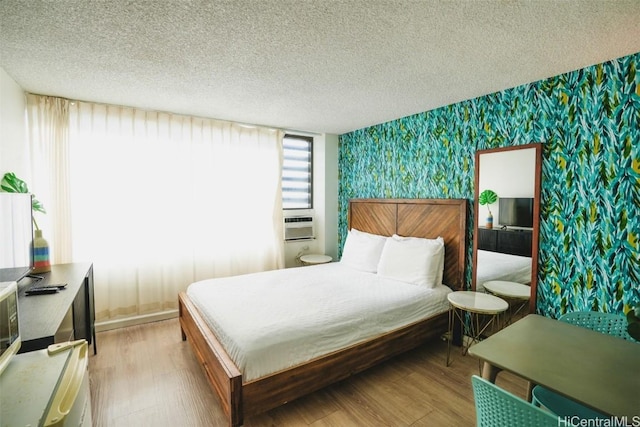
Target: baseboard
135	320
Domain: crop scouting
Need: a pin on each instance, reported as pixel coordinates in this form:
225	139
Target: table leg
490	372
520	306
472	328
476	329
529	394
450	333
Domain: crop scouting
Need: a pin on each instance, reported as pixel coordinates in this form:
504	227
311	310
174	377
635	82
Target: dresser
508	241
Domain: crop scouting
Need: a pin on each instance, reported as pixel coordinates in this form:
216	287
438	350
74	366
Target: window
296	172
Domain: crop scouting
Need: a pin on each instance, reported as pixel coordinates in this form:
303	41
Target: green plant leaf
487	197
12	184
37	206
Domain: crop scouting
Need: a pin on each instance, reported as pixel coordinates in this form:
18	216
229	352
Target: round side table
313	259
476	304
516	294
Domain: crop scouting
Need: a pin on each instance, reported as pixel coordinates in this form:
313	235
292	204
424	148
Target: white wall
325	203
331	196
13	147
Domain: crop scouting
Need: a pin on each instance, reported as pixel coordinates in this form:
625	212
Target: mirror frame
536	215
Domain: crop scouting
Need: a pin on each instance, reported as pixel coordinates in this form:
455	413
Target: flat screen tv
16	236
516	211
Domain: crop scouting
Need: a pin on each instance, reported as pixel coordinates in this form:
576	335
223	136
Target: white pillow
362	250
413	260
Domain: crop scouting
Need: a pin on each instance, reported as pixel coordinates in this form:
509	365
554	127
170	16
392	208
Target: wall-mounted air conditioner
298	227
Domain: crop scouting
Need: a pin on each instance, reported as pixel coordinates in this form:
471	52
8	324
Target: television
515	211
16	236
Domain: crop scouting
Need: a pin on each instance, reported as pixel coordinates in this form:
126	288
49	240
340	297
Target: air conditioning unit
298	227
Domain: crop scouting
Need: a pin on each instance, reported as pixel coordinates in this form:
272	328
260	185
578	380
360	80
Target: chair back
606	323
496	407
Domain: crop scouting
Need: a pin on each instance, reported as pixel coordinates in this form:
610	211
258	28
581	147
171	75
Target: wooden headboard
427	218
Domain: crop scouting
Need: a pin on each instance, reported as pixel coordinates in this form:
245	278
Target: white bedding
498	266
277	319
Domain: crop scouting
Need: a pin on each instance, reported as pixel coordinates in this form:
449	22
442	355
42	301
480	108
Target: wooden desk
63	316
597	370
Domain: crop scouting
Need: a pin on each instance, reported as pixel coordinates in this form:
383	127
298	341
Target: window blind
297	172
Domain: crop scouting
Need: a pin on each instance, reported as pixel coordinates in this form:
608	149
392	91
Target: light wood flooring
147	376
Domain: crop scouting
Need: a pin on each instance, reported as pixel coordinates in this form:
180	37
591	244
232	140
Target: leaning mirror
507	210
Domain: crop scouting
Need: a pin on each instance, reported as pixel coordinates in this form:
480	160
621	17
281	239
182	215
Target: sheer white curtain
161	200
48	136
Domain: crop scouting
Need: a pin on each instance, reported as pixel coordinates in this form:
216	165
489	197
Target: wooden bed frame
428	218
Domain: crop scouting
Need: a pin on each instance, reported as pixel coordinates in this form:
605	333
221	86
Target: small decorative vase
41	263
489	221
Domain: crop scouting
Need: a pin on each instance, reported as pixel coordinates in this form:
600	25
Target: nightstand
516	294
476	304
314	259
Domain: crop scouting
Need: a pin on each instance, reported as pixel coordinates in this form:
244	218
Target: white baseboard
135	320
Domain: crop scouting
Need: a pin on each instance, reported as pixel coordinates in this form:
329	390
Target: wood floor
146	376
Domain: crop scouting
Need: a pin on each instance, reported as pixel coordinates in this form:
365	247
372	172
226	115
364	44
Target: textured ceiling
314	65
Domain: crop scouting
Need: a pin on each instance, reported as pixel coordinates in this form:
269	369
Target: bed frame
428	218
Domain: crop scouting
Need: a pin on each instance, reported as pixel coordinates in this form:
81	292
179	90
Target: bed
499	266
244	395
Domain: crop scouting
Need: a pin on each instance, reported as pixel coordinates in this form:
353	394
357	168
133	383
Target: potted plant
12	184
488	197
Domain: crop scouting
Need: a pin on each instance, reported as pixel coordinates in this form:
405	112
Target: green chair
606	323
496	407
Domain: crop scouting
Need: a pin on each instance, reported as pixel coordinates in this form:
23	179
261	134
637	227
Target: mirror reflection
506	221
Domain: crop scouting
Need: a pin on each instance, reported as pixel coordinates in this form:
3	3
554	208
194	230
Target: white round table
516	294
477	304
312	259
508	289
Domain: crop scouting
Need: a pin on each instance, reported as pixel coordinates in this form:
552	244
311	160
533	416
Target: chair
496	407
606	323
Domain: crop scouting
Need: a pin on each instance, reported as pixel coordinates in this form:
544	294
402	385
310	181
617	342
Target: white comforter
277	319
498	266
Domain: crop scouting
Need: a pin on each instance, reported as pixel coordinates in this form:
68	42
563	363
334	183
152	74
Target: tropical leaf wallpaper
589	123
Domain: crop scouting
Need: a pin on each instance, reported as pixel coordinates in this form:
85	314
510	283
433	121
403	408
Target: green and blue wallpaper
589	123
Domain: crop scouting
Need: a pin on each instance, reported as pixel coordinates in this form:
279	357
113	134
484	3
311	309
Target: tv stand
506	241
65	315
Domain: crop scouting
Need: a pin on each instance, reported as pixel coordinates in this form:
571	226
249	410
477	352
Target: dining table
594	369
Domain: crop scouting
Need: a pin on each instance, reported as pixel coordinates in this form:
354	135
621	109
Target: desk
63	316
594	369
476	304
